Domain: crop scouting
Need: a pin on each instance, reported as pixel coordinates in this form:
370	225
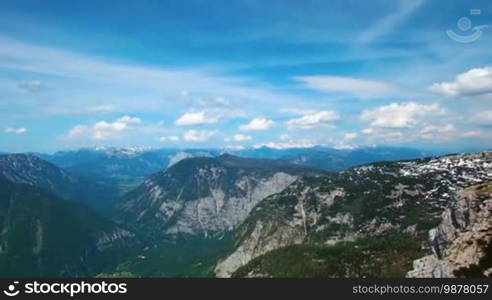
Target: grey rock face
461	239
269	228
430	267
220	211
206	196
108	239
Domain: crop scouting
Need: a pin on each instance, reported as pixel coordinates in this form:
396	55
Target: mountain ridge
32	170
42	235
407	196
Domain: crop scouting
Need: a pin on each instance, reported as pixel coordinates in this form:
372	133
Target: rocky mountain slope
205	196
31	170
387	255
462	243
374	200
42	235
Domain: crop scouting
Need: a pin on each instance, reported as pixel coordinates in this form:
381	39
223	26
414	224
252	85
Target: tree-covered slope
42	235
389	255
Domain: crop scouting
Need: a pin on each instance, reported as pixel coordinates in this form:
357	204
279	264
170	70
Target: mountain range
318	212
126	168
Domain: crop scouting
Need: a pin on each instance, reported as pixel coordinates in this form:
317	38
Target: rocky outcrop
264	237
463	239
108	239
277	223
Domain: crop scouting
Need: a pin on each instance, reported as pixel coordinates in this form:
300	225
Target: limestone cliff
461	244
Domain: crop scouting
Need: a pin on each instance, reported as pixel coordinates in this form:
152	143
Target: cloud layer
11	130
104	130
314	119
257	124
198	135
349	85
476	81
401	115
196	118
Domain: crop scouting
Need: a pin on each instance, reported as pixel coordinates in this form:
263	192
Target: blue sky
235	74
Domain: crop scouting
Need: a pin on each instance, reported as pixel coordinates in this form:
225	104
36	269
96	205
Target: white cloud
303	143
484	117
435	132
387	135
401	115
257	124
129	120
241	137
103	130
198	135
20	130
30	85
440	132
171	138
339	143
196	118
314	119
77	131
473	82
284	137
234	147
476	134
406	122
350	135
174	159
356	86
